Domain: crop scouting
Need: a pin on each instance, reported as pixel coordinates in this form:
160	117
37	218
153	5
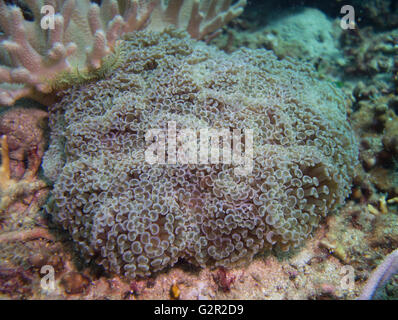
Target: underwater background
343	62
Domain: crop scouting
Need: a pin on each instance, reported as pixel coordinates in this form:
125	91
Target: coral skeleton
25	235
80	34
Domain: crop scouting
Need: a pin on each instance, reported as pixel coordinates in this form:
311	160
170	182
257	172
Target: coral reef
369	53
308	34
381	13
366	70
134	218
375	123
359	237
82	34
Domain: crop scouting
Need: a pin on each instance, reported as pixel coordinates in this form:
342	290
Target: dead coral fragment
11	190
393	200
335	249
5	174
25	235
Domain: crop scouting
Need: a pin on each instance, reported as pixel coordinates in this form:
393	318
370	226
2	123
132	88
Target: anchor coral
135	218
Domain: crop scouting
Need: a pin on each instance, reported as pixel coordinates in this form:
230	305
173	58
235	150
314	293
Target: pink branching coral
198	17
84	34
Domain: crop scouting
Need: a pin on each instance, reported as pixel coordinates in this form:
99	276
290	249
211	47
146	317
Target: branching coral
198	17
84	33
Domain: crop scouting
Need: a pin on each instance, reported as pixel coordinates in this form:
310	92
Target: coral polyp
136	218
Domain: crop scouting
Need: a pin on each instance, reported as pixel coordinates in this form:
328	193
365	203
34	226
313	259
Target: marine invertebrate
81	34
198	17
380	275
135	218
383	14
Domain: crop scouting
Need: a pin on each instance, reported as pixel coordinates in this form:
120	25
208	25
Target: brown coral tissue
136	218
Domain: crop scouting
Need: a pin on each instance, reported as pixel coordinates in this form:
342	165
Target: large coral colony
134	218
